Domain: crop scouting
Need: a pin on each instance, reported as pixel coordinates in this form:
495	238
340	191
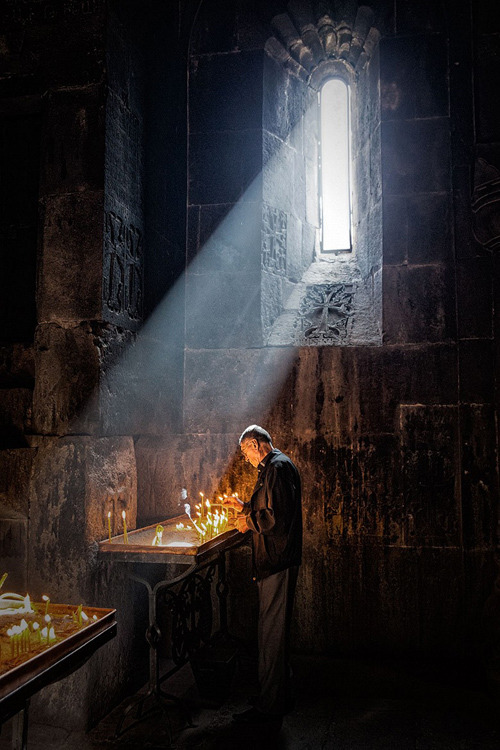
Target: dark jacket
274	514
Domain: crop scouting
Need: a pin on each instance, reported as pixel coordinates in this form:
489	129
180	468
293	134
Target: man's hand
241	523
232	502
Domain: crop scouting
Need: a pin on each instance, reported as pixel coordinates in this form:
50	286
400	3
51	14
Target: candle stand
195	599
32	672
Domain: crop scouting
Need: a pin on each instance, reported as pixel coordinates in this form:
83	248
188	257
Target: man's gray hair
254	432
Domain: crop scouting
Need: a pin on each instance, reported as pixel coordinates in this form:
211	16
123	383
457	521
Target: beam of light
169	380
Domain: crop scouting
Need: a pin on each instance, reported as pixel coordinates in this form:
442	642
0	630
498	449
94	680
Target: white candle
125	535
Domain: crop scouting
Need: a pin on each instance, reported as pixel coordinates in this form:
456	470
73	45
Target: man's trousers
276	595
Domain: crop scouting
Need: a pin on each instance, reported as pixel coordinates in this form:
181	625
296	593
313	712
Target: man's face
250	449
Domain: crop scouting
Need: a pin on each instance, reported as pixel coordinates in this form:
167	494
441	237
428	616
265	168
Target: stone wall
58	471
160	212
396	443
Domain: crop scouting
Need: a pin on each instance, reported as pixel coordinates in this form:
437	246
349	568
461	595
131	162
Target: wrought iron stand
188	598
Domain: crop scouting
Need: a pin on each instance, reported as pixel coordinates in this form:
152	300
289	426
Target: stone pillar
67	468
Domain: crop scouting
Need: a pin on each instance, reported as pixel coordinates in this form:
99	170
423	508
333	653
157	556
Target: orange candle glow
109	525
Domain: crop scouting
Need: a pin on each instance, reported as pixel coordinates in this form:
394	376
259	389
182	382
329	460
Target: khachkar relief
123	267
486	204
274	227
324	312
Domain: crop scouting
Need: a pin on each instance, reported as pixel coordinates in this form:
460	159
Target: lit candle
77	616
36	629
125	535
109	525
47	602
25	635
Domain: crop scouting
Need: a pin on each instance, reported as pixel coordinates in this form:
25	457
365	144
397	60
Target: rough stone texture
414	77
395	221
487	71
14	549
431	475
15	477
477	371
475	298
234	165
418	304
15	416
17	366
244	386
61	44
71	258
139	392
223	310
67	366
208	463
226	92
96	378
73	141
72	480
416	156
224	238
429	229
479	479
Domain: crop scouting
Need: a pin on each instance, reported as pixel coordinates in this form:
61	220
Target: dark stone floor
342	704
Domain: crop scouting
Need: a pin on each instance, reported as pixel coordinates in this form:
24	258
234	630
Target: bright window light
335	166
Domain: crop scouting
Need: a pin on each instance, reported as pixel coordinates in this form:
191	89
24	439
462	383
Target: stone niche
254	229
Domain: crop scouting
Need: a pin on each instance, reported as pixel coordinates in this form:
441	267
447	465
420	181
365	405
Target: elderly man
274	515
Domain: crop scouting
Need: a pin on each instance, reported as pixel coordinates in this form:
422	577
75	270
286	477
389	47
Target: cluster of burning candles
210	519
23	637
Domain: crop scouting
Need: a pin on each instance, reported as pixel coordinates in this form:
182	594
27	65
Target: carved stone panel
274	239
123	276
486	204
324	313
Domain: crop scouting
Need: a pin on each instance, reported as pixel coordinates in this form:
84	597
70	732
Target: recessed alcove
336	298
266	102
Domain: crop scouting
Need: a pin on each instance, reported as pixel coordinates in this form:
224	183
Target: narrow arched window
335	166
